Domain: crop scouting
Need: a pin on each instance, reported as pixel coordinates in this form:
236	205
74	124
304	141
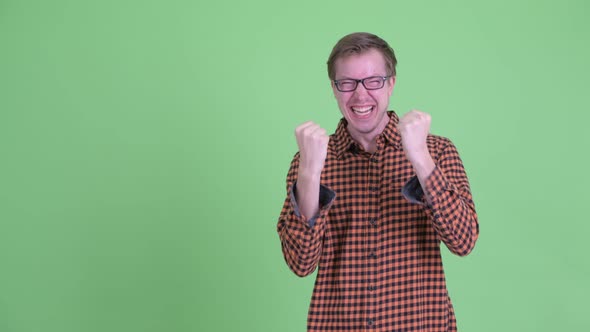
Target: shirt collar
344	142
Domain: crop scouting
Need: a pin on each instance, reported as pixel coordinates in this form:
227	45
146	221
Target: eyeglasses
370	83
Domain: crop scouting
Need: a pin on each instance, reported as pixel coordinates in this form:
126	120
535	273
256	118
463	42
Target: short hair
358	43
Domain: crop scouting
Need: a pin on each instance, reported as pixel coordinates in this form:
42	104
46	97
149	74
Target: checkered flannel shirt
376	239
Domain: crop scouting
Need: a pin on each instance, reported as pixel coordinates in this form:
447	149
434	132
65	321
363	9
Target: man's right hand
313	147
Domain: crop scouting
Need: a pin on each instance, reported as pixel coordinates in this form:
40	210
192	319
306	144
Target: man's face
365	110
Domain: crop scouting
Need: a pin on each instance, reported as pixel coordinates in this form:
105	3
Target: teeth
362	110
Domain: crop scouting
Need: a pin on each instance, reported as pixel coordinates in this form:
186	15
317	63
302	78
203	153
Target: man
370	204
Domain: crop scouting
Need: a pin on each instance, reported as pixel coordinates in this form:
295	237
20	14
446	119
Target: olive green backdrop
144	147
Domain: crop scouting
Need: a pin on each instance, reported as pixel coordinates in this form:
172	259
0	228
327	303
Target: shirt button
373	222
374	189
370	322
373	255
374	160
371	288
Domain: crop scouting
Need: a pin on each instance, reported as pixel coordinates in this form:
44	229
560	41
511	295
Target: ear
391	82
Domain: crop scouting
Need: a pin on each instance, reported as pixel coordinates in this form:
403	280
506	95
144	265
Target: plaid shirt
376	240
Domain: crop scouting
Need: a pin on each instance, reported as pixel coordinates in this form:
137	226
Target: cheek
342	100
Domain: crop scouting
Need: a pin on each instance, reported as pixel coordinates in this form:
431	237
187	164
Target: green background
144	147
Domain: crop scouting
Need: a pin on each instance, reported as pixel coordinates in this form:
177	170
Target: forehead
368	63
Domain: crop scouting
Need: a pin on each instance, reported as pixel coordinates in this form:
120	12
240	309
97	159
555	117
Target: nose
360	90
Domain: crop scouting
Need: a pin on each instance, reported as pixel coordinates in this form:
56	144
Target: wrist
423	167
307	176
418	154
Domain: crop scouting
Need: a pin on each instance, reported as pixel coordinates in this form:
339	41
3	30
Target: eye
346	84
373	81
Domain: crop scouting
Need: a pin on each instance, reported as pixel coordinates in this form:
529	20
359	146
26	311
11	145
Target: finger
309	130
302	127
319	131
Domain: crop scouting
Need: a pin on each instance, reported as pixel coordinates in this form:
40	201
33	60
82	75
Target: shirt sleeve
326	197
448	201
302	238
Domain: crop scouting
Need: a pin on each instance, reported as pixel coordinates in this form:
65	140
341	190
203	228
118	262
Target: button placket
372	244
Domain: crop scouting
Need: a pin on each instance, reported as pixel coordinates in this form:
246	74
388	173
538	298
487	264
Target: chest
364	177
370	214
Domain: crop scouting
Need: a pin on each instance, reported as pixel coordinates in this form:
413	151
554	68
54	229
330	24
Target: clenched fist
414	127
313	147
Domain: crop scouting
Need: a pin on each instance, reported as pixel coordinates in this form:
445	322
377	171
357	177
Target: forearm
301	237
444	189
459	229
301	240
301	246
423	165
453	214
308	194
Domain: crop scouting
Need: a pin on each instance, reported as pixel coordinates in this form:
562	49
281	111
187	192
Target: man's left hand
414	127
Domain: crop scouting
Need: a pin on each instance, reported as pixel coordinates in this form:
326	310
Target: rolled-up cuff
413	191
327	196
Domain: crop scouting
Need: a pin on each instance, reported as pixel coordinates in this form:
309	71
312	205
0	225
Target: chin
366	120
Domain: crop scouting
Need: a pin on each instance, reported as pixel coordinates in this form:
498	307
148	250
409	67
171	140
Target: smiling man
370	204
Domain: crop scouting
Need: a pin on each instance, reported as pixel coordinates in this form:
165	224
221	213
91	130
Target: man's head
369	59
357	43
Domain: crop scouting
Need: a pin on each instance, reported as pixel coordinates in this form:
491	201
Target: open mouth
362	111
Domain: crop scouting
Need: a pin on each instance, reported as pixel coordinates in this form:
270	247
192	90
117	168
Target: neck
369	143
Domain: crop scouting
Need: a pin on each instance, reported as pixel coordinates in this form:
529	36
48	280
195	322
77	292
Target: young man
370	204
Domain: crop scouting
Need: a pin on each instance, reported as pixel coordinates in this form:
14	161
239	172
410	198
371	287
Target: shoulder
436	144
438	141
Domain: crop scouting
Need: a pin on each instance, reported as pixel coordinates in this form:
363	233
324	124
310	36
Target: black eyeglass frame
362	81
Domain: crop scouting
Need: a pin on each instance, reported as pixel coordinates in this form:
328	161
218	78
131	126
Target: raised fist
313	147
414	127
